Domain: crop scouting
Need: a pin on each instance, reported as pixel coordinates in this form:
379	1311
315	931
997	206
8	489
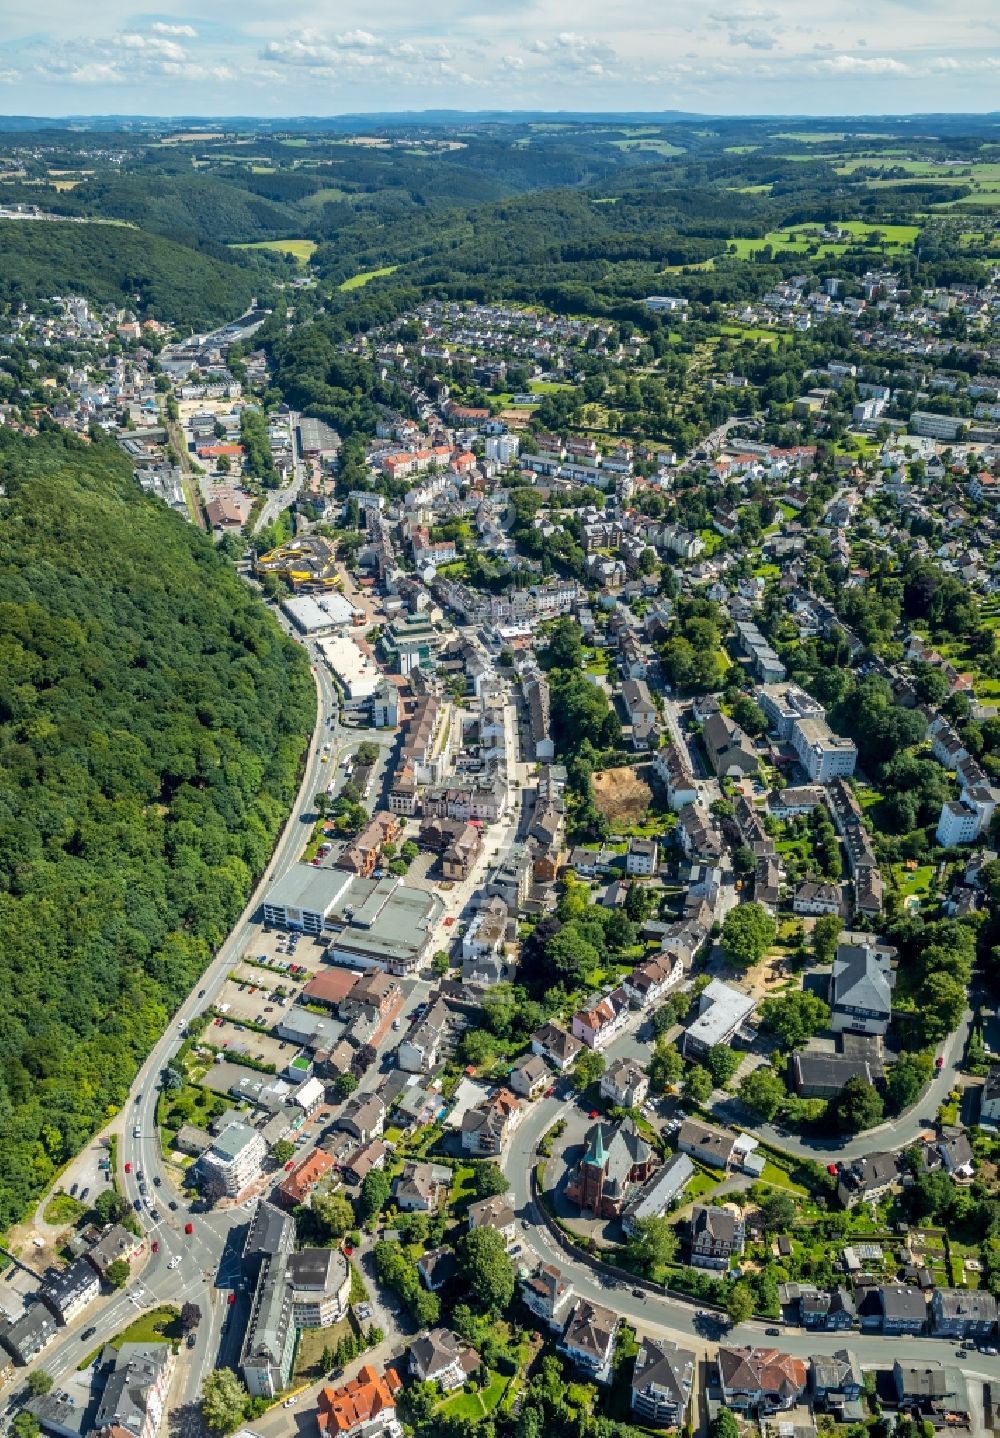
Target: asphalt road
675	1319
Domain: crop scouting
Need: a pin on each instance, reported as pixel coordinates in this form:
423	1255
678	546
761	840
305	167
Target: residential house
698	834
588	1339
597	1026
903	1309
836	1383
114	1243
364	1160
363	1408
989	1104
624	1083
419	1050
833	1311
363	1116
673	768
662	1382
437	1267
641	712
494	1212
440	1356
530	1076
935	1392
642	858
487	1128
861	990
760	1381
26	1336
556	1045
421	1187
69	1291
707	1144
867	1179
717	1236
815	897
651	980
135	1391
298	1185
962	1313
548	1294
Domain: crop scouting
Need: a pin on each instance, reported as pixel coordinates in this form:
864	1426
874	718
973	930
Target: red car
550	1091
128	1168
154	1247
939	1062
189	1228
831	1168
594	1113
232	1299
289	1165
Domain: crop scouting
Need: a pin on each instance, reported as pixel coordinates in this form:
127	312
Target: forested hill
111	264
152	722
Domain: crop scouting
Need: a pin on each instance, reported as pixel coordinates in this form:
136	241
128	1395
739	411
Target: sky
302	57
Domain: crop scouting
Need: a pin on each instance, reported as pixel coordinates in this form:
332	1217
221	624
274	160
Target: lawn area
544	386
312	1344
779	1178
63	1208
159	1325
463	1185
356	281
300	250
359	1291
475	1405
911	882
703	1182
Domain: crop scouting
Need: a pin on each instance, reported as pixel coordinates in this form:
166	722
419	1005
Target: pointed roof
596	1154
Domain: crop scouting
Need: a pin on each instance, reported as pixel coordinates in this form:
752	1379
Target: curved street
674	1318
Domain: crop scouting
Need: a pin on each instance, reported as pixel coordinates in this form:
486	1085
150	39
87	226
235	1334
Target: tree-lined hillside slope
152	723
115	264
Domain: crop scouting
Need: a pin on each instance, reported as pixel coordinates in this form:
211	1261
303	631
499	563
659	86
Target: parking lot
255	1002
279	950
234	1040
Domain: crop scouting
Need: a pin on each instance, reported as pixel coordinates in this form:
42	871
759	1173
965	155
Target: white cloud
183	32
755	39
861	65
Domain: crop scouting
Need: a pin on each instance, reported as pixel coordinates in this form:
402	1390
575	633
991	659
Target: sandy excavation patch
622	795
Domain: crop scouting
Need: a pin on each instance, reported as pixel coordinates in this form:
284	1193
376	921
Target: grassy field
300	250
356	281
656	147
321	197
804	239
811	137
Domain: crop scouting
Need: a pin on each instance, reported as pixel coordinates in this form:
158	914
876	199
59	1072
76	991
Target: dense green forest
152	723
114	264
